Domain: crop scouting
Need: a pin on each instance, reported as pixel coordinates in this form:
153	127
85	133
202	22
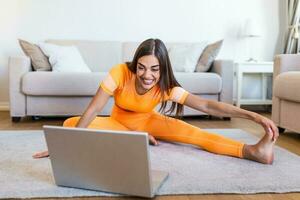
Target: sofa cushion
64	58
100	56
38	59
61	83
86	84
200	82
184	57
287	86
208	56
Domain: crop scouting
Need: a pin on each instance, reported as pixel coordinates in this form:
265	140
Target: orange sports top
120	82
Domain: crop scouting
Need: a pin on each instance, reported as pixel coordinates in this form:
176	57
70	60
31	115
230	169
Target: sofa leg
281	130
34	118
16	119
226	118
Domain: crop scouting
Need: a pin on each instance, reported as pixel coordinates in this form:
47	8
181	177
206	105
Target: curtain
292	41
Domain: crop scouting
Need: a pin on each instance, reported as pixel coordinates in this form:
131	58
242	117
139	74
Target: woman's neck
139	89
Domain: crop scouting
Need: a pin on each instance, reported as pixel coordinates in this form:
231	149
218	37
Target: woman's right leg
103	123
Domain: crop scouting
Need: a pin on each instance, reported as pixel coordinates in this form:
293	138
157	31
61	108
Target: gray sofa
286	92
49	93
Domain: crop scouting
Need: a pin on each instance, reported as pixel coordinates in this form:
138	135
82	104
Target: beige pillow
184	57
208	56
39	60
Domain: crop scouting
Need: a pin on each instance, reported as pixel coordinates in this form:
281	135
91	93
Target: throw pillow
208	56
184	57
64	58
39	60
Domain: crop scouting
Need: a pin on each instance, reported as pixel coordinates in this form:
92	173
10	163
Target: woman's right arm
96	105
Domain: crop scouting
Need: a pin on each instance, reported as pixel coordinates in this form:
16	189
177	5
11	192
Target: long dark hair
167	79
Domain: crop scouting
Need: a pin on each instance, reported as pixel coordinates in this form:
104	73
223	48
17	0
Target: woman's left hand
268	125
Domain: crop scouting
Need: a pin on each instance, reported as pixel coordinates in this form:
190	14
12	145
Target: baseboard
4	106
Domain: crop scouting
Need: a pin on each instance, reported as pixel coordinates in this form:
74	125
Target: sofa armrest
225	68
285	63
282	63
17	67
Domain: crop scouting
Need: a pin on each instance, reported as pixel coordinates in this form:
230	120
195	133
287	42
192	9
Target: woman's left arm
226	110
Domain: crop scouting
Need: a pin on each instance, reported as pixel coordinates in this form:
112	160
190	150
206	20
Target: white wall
136	20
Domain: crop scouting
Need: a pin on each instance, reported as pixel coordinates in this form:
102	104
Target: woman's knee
71	122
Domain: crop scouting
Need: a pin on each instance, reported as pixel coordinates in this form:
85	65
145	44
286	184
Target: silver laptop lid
113	161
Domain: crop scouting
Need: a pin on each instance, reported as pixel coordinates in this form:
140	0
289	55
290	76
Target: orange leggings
164	128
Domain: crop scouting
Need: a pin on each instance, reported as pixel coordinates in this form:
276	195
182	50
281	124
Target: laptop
104	160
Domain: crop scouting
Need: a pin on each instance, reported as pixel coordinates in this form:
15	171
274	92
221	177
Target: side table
264	69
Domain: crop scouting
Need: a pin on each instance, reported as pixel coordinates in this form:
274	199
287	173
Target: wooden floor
287	140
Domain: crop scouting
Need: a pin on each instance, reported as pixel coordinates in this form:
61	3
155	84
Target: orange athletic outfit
136	112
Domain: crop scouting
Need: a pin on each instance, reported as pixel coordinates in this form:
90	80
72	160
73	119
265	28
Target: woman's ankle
255	153
247	151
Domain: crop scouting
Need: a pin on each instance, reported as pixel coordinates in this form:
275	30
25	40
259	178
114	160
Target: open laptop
105	160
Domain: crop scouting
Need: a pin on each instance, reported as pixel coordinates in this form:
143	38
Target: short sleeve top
120	82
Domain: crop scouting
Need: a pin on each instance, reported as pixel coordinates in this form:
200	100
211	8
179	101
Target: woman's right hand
152	140
41	154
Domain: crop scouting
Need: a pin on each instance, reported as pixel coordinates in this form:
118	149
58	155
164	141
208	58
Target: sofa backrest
100	56
128	48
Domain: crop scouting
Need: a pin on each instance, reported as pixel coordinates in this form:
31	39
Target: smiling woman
152	66
147	73
139	86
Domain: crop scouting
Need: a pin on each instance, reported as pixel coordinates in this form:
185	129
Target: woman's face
147	72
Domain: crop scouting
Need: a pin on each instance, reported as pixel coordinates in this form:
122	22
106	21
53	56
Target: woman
138	87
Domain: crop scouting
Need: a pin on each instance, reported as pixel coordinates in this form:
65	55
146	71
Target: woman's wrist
86	118
250	115
255	117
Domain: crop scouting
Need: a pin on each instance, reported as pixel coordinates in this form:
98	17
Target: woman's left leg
170	129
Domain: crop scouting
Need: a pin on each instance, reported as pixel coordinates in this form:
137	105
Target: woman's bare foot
262	151
41	154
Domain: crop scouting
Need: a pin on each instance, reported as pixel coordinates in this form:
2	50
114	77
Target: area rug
191	170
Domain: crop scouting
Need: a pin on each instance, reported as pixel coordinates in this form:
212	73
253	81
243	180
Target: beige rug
191	170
